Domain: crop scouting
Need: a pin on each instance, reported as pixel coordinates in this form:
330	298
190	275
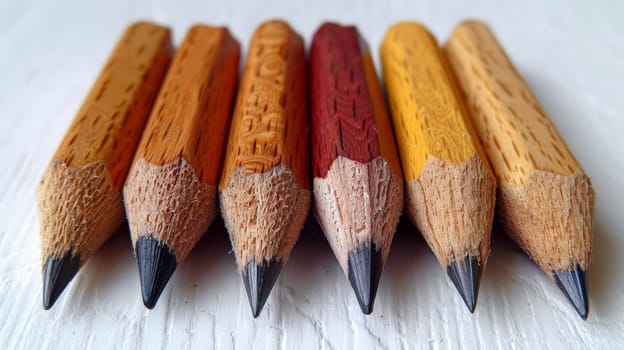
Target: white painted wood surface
570	52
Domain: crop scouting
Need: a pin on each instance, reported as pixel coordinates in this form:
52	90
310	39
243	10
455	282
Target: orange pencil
170	194
264	189
79	198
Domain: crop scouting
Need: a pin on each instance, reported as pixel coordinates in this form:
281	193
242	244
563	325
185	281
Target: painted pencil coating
450	187
79	198
357	176
170	195
264	190
546	201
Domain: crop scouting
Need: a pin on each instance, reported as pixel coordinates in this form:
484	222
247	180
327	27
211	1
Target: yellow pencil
545	200
450	188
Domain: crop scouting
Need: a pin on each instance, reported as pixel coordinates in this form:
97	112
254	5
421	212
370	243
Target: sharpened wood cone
259	281
466	276
572	284
57	274
365	266
156	265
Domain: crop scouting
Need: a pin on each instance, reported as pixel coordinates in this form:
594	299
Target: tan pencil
79	198
170	195
450	187
545	200
264	189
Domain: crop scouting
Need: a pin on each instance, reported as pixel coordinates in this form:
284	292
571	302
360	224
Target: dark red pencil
358	186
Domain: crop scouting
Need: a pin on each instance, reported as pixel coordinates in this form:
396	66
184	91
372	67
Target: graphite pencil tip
259	280
156	265
466	276
57	274
365	266
572	284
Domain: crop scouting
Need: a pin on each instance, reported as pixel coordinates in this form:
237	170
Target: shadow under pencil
108	275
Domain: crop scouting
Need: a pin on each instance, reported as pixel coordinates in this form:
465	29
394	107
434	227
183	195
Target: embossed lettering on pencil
260	121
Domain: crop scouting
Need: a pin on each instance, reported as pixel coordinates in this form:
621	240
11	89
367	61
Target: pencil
79	197
545	200
170	195
264	189
450	187
358	187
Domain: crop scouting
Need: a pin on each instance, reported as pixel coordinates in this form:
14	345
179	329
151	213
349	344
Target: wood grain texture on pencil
264	189
358	187
79	198
450	185
170	194
545	200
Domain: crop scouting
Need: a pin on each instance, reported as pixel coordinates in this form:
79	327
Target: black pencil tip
56	275
365	266
259	281
156	265
466	275
572	284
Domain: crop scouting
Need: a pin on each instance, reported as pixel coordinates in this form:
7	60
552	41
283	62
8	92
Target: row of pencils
164	138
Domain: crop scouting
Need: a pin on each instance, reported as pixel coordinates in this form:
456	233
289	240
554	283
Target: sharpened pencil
79	197
264	190
450	187
545	200
170	195
358	187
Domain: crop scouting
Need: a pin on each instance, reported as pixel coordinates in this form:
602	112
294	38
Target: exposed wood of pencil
450	186
545	199
171	190
358	187
79	197
264	189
